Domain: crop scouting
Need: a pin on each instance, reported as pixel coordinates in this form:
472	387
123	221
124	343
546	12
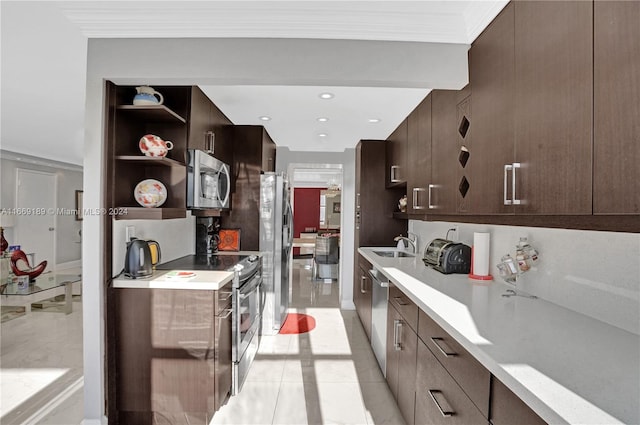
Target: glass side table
45	286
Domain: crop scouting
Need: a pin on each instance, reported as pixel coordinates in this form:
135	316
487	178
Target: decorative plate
150	193
178	274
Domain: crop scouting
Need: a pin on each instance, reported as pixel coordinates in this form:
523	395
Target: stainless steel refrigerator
276	238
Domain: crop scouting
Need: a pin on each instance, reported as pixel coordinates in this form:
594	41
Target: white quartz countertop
206	280
568	367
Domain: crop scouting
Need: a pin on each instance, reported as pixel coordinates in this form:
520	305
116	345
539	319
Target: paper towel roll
481	249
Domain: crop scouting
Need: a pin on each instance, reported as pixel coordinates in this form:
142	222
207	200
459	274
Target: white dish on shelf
150	193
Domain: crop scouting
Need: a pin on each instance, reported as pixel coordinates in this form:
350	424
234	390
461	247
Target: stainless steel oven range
245	322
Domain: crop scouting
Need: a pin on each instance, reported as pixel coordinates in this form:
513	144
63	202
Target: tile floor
326	376
41	368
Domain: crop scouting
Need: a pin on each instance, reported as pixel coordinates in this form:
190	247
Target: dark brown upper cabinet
553	109
396	172
492	76
209	129
531	72
442	189
617	107
419	157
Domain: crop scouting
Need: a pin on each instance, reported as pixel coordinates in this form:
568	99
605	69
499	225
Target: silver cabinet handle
228	293
357	201
443	406
229	311
397	328
431	186
394	179
443	347
515	166
506	200
362	280
416	204
400	301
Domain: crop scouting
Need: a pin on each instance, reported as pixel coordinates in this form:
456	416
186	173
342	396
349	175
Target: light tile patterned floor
327	376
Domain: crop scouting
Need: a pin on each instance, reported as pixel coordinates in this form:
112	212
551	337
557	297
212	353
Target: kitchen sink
393	254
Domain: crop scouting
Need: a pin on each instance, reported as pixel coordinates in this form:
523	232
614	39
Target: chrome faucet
411	240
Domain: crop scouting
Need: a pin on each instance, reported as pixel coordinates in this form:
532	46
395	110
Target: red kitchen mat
297	323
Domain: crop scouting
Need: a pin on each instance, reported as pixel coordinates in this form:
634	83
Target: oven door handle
250	287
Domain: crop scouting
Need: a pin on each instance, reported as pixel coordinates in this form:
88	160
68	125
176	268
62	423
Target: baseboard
102	421
347	305
69	265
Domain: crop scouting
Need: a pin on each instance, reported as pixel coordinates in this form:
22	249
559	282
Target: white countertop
206	280
568	367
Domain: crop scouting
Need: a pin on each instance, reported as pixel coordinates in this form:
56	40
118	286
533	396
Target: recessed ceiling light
323	119
265	118
374	120
322	134
326	95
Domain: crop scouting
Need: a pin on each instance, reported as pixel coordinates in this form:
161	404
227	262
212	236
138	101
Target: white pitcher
147	96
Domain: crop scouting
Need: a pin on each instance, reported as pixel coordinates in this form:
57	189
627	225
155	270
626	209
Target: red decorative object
32	272
3	242
297	323
229	240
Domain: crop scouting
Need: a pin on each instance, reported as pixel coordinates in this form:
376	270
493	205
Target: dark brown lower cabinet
401	362
170	355
439	399
509	409
362	296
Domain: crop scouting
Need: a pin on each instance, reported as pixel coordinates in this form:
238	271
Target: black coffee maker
207	238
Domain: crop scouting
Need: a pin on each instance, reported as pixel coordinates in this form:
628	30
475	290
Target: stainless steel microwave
208	181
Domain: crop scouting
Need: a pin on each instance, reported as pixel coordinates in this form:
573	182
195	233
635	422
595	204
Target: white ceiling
44	56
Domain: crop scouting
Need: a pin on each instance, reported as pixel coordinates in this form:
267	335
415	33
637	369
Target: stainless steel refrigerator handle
515	166
447	411
506	200
443	347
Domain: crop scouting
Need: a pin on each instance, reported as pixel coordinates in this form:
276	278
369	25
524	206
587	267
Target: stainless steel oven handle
250	287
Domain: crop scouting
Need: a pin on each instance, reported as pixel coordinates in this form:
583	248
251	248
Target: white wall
69	179
594	273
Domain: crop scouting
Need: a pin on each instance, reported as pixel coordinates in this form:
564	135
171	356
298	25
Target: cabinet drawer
507	408
439	399
364	264
407	309
474	379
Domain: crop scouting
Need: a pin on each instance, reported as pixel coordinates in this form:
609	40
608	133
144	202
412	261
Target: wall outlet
130	233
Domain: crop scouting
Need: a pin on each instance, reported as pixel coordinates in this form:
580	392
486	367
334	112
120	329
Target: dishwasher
380	298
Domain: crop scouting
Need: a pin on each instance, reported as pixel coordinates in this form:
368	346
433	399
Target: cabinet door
491	73
617	108
223	356
419	157
374	224
397	156
508	409
554	106
444	152
439	400
200	125
401	362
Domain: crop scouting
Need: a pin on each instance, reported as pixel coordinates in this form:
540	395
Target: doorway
316	200
36	193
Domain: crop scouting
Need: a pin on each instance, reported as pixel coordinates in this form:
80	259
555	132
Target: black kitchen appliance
138	261
447	256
